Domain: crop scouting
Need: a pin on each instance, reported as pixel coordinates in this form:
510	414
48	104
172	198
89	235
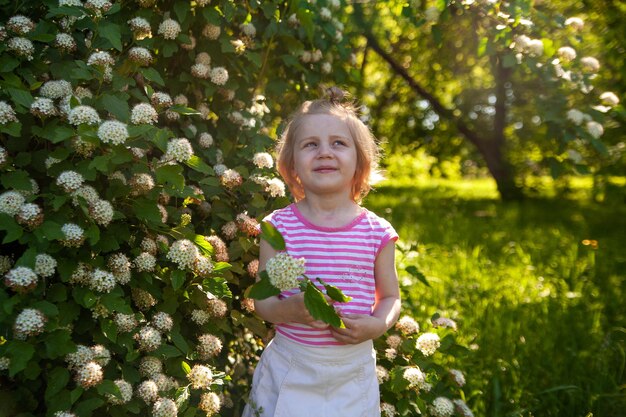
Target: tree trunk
492	149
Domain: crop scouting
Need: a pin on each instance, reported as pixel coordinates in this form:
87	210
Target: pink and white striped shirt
341	256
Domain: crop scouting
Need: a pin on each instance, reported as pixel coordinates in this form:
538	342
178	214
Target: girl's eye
310	144
340	142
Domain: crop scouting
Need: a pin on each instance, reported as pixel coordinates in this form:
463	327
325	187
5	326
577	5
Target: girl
327	156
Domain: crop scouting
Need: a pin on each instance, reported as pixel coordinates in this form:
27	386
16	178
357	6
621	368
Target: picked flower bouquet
282	273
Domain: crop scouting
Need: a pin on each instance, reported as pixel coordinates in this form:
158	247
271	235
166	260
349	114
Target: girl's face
325	158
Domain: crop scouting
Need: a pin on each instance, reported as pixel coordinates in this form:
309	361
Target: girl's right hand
300	314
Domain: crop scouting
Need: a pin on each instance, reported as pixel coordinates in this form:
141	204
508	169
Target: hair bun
335	94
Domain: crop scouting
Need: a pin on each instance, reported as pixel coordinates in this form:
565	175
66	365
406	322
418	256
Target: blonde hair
367	150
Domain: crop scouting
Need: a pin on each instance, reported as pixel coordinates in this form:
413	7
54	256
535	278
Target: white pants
295	380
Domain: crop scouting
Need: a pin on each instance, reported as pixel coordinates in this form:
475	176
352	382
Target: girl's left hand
359	328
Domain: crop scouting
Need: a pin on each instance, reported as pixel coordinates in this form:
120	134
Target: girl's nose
324	151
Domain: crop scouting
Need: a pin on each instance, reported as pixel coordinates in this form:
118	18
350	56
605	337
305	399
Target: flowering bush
133	166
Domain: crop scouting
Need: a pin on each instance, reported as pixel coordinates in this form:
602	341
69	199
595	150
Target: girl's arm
362	327
286	310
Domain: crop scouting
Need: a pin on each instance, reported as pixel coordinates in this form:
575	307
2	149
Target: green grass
537	288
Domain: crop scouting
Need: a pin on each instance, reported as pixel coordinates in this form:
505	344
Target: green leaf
107	386
169	48
153	75
59	343
204	246
412	269
272	236
181	8
182	393
109	329
168	351
49	230
85	408
8	64
221	266
263	288
19	180
334	292
217	286
185	366
57	380
148	211
12	128
115	105
20	354
53	132
319	308
111	32
178	278
171	174
179	342
20	96
186	111
199	165
13	230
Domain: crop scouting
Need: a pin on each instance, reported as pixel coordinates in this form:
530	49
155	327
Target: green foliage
536	288
148	225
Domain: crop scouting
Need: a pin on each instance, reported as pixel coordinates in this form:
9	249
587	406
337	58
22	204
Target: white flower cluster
595	129
525	45
231	179
125	322
126	393
566	53
89	375
442	407
444	322
7	114
179	149
414	376
140	28
284	270
462	409
211	31
43	107
201	377
229	230
148	339
162	321
590	64
101	355
21	47
161	100
141	183
293	21
150	366
65	42
577	117
21	279
86	192
219	76
101	58
169	29
457	376
140	55
148	391
83	115
217	308
164	407
575	22
70	181
5	264
387	410
325	14
102	212
382	374
45	265
276	187
208	346
311	56
113	132
203	266
73	235
101	281
145	262
407	325
248	29
143	113
263	160
610	99
205	140
393	341
29	322
200	317
210	403
253	268
201	70
56	89
20	24
30	215
4	363
428	343
184	253
11	202
64	414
